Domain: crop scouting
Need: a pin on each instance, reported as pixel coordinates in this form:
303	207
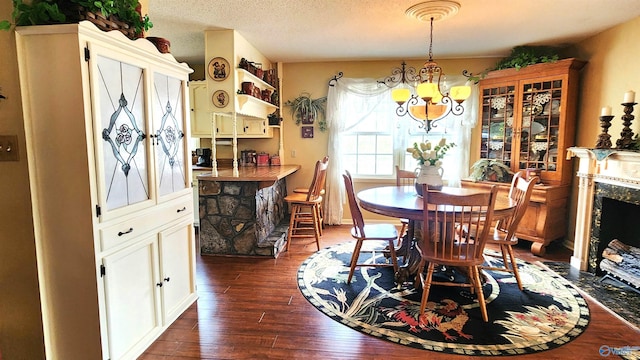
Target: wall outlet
293	153
8	148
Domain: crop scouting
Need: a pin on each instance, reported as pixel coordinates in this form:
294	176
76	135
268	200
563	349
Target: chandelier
426	104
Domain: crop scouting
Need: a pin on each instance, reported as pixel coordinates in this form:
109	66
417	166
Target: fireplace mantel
606	166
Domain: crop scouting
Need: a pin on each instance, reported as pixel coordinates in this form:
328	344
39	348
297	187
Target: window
375	145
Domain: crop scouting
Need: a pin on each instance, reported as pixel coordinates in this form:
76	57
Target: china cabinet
106	121
527	120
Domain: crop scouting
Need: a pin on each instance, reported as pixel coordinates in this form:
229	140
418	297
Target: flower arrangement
424	152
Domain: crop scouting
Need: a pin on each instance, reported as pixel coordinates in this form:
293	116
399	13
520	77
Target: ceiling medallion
436	9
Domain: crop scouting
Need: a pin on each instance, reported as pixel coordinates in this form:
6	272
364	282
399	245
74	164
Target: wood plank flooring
251	308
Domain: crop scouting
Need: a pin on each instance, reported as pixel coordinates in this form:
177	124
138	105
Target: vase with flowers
430	160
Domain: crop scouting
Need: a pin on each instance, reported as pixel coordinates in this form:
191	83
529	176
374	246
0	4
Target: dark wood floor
251	308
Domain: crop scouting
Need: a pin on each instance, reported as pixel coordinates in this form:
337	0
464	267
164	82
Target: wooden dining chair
404	178
443	244
504	232
322	192
363	232
305	208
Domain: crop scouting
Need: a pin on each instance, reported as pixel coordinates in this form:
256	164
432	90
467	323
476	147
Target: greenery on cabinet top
46	12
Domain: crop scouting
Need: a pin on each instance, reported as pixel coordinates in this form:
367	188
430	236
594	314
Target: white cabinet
200	115
131	300
246	127
106	121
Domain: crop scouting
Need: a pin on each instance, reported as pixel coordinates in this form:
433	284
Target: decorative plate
220	98
218	69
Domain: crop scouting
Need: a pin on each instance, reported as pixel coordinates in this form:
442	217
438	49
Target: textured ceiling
341	30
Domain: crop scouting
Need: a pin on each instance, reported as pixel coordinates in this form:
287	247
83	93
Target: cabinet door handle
126	232
167	279
159	284
183	209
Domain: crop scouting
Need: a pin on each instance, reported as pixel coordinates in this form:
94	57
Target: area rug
546	315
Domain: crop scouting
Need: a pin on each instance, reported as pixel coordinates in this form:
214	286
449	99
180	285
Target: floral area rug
547	314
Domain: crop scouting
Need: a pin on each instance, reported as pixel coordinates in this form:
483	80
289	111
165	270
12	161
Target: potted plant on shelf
122	15
490	170
306	110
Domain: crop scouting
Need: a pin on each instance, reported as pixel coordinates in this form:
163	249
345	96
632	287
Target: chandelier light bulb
400	95
427	91
460	93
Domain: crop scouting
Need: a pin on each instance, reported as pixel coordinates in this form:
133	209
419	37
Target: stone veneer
240	218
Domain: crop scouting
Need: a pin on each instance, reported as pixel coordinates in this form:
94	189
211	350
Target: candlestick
629	97
626	136
606	111
604	139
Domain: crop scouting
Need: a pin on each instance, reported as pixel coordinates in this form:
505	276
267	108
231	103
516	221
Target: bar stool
325	160
305	220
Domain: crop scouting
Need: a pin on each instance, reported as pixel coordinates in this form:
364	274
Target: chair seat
378	232
500	237
460	261
300	198
304	191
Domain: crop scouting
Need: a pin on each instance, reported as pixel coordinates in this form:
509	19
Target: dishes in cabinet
532	110
536	128
552	107
508	111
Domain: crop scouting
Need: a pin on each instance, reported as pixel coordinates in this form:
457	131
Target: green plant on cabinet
490	170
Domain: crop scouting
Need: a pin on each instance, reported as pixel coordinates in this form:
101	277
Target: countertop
251	173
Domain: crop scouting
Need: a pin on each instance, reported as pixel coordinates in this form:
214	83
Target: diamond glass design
169	137
123	165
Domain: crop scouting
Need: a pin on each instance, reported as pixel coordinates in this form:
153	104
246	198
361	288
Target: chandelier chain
431	42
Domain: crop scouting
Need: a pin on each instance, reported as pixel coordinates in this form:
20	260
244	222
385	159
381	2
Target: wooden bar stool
305	190
305	220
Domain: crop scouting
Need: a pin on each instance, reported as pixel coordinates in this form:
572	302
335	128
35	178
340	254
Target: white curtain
462	126
351	100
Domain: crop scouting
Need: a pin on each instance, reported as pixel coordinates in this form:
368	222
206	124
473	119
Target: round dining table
403	202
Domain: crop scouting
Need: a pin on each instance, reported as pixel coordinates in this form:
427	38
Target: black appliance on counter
204	157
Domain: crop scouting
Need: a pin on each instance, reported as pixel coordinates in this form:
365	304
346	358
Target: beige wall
21	335
610	72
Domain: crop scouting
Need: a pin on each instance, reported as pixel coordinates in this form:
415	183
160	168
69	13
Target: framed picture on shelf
307	132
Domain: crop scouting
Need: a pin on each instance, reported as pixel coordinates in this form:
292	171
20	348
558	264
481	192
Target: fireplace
615	211
608	204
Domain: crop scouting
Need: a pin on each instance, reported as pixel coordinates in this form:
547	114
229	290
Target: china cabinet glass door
122	135
498	126
169	134
540	126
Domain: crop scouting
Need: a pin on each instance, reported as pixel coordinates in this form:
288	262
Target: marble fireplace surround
602	173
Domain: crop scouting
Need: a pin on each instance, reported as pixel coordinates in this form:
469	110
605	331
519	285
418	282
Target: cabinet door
254	127
200	119
225	126
172	163
176	269
131	296
542	127
498	124
121	133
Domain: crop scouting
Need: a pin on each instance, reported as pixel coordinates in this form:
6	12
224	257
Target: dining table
403	202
